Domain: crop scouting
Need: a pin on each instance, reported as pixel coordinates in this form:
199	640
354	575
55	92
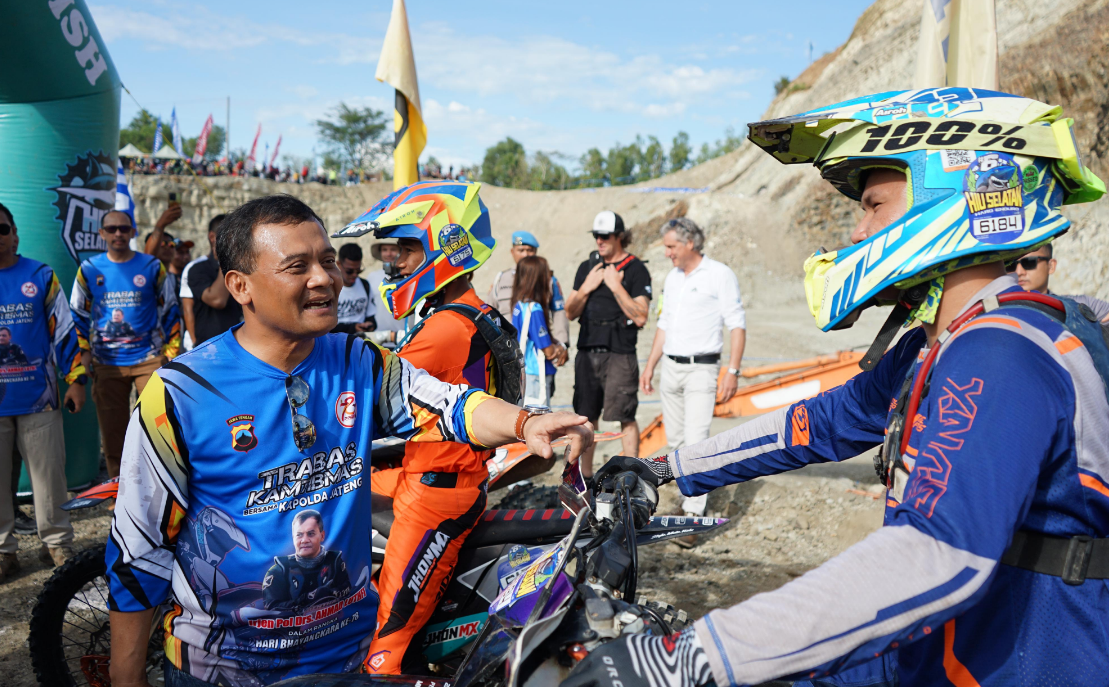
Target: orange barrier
827	372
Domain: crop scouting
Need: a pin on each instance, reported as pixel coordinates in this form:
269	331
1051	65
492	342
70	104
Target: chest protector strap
1075	559
507	359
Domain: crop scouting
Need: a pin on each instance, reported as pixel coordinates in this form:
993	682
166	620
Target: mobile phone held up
173	199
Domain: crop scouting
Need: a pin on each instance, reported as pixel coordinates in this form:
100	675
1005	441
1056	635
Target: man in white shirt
700	298
356	303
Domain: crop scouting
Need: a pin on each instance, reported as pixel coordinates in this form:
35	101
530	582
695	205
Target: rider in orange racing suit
438	494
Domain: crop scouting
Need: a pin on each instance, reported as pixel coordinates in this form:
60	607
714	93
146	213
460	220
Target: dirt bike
555	607
70	635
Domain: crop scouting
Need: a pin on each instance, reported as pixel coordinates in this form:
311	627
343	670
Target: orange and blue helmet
447	218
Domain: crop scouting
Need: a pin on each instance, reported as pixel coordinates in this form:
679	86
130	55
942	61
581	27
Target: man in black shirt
612	292
214	311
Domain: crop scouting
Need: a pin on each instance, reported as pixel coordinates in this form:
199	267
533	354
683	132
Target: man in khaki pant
37	342
128	323
699	300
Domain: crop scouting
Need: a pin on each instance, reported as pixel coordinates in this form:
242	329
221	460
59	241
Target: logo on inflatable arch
85	191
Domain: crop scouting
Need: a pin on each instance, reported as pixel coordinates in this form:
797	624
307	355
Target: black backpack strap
503	344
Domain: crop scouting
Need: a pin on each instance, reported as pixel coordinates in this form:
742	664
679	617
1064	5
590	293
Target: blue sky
557	76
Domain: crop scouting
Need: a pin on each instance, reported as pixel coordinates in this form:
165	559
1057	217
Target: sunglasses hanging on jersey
304	432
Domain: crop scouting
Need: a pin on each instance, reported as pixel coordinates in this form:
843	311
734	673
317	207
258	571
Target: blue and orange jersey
216	489
126	312
449	348
38	340
1013	435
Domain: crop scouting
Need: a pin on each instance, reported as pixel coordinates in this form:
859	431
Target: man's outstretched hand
541	430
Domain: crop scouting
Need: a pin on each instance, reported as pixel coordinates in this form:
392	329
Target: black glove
677	660
656	471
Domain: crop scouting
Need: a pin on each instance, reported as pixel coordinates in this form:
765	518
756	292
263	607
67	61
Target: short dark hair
6	211
350	251
5	329
305	514
215	222
235	240
1050	249
130	219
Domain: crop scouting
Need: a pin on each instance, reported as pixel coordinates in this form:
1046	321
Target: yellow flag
958	45
397	67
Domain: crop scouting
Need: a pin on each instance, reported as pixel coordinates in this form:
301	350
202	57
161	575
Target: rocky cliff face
761	217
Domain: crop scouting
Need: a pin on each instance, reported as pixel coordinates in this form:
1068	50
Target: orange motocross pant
430	522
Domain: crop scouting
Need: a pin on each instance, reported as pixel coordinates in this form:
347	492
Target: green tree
216	137
621	163
680	150
593	167
140	132
546	174
356	137
652	159
506	164
705	154
781	84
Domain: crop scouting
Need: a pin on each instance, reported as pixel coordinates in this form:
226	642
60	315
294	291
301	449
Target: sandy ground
780	526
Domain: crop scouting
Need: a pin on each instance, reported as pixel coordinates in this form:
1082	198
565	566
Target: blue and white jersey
37	339
214	497
1013	435
528	317
126	312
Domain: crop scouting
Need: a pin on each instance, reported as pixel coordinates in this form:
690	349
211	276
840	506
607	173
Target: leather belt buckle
1077	560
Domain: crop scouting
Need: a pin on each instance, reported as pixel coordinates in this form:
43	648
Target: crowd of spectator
287	174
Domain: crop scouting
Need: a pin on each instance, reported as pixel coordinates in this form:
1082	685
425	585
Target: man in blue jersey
266	430
37	343
127	316
993	563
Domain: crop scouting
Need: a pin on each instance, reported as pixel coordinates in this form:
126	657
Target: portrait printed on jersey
117	332
310	575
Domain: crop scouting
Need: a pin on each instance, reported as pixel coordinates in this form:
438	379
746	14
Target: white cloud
200	29
303	91
663	111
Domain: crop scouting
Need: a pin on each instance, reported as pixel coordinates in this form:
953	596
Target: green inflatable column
59	136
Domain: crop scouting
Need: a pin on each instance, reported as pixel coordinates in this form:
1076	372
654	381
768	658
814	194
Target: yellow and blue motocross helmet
451	222
986	175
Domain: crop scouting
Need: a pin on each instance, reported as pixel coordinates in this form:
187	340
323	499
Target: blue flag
124	202
175	131
157	138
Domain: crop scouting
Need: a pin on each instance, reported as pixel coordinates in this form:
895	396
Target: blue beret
525	238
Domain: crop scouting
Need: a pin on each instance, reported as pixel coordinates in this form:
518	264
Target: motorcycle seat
495	527
520	527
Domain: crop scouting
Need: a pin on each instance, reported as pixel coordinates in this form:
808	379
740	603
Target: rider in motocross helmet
991	568
443	231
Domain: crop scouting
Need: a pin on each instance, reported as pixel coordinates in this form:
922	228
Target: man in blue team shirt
266	430
126	312
37	341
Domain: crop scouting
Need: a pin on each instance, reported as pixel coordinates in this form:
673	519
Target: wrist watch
733	371
526	413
